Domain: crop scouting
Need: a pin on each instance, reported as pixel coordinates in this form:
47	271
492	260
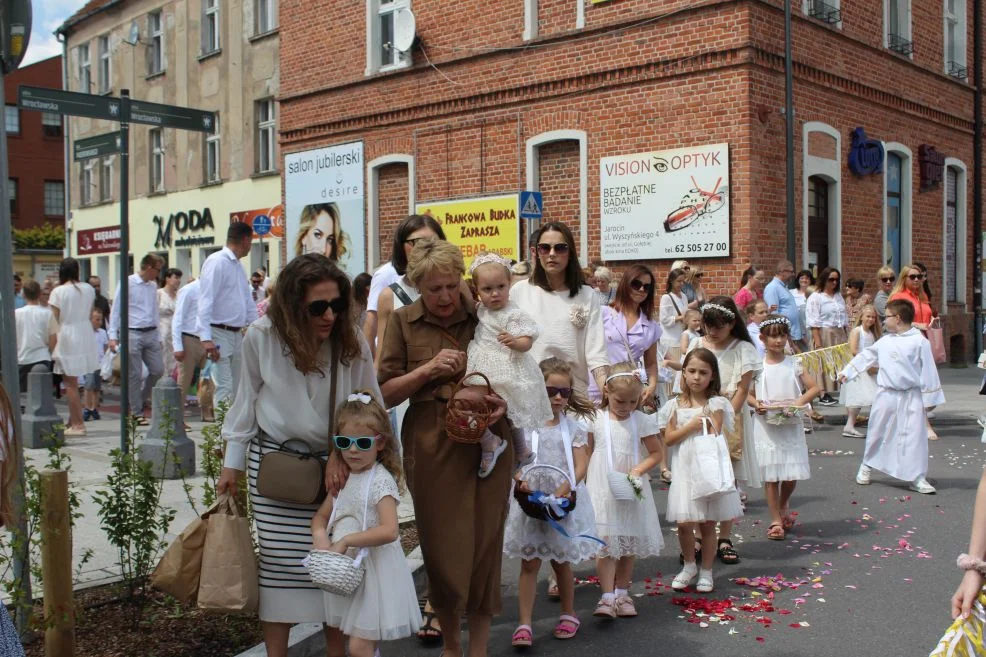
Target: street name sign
97	146
172	116
56	101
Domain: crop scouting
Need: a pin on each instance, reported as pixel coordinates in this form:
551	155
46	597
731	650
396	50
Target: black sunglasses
318	307
887	280
363	443
834	280
637	286
544	249
564	392
915	277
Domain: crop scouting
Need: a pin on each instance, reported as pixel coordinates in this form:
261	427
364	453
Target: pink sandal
567	627
522	638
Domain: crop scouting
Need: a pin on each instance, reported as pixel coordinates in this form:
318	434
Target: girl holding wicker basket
552	488
361	523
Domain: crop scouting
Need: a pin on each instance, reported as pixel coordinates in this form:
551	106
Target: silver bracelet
965	562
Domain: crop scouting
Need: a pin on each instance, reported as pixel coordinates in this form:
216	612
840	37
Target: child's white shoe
705	582
921	485
684	579
863	475
489	459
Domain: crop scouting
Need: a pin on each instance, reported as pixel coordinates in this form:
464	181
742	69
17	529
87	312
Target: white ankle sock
619	593
690	568
609	597
702	572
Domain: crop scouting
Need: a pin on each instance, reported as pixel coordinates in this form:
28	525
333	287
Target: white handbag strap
566	437
635	439
366	510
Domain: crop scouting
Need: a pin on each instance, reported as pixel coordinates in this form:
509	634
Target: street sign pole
124	268
8	356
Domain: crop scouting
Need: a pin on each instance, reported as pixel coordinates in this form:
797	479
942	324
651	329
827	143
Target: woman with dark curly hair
290	356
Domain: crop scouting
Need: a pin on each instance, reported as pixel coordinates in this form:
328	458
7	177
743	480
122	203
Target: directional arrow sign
57	101
97	146
172	116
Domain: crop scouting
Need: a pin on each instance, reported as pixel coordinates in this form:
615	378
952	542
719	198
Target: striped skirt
285	538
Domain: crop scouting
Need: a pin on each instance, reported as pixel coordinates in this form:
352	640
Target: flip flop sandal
789	520
522	637
726	553
567	627
775	532
429	633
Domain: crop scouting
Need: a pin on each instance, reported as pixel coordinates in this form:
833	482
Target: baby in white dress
500	350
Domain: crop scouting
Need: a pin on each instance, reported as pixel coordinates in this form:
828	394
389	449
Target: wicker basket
336	573
542	511
466	420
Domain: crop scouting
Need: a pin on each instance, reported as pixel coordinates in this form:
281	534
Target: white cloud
48	15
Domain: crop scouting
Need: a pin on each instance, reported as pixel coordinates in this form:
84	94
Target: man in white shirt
186	344
144	340
37	332
225	308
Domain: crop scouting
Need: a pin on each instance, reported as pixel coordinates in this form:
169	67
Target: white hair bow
360	397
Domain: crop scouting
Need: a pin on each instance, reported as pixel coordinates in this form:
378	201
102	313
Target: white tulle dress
629	527
514	375
861	391
528	538
782	451
385	606
681	506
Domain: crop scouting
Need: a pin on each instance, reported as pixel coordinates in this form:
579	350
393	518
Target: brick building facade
36	150
532	94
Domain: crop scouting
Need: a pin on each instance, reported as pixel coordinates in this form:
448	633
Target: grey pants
145	347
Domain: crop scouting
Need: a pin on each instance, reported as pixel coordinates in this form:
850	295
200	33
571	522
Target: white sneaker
863	475
921	485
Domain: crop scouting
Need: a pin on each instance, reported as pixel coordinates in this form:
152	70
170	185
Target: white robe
896	434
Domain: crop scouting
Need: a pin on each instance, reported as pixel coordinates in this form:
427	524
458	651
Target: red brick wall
392	190
34	158
558	172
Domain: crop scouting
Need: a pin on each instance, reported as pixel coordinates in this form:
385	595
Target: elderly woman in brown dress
460	517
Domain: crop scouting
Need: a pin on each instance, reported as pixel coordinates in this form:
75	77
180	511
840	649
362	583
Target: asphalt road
868	571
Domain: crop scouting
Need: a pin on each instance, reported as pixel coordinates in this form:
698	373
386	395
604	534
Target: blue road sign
261	224
531	205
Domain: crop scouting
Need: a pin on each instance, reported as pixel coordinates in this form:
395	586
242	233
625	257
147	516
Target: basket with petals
336	573
541	504
466	419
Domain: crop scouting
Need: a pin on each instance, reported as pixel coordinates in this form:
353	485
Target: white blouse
824	311
668	313
277	399
571	328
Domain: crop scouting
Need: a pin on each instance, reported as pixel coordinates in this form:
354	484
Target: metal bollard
41	424
174	455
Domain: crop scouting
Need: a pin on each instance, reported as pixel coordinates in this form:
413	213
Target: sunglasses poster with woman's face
323	206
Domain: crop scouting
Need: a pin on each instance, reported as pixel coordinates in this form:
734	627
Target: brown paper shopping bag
178	571
229	580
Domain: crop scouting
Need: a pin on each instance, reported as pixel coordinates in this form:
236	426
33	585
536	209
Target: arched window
818	223
894	215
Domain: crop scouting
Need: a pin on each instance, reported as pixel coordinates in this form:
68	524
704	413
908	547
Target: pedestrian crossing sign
531	205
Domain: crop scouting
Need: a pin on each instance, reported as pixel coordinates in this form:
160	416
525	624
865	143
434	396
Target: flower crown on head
361	397
486	258
775	320
723	309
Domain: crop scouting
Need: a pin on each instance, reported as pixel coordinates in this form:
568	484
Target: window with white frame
212	161
210	26
266	134
106	179
54	198
827	11
51	124
952	234
157	160
105	79
12	194
86	182
155	46
12	120
84	72
897	26
265	12
955	29
381	53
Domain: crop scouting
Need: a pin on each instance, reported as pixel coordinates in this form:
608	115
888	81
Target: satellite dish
404	29
133	38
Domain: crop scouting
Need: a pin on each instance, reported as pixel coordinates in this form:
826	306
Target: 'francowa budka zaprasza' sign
479	224
665	204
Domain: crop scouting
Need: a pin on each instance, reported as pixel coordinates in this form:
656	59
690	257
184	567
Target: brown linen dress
460	517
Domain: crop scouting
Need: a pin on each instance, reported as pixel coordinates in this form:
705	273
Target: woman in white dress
285	393
167	295
75	351
671	313
826	316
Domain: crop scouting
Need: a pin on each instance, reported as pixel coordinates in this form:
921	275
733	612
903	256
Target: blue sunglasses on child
363	443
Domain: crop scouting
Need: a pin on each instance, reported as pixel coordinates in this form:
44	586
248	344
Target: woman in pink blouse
753	281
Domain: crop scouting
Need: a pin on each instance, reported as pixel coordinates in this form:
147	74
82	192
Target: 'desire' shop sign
665	204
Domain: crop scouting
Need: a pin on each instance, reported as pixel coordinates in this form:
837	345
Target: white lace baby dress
528	538
514	375
385	606
681	506
629	527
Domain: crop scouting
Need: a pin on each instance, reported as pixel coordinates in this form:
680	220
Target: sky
48	15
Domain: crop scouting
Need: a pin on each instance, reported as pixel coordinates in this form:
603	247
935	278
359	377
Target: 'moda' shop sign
665	204
184	223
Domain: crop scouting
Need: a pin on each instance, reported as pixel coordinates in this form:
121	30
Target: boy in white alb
897	436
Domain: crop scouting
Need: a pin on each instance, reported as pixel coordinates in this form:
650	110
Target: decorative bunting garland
828	360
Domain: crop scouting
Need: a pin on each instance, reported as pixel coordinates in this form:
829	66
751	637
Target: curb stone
307	640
